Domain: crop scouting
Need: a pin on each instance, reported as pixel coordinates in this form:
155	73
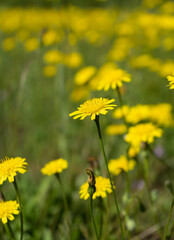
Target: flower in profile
93	107
116	129
144	132
9	168
171	81
103	186
7	209
55	166
84	74
49	71
109	76
119	164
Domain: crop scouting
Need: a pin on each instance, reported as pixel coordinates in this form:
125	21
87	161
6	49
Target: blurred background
43	47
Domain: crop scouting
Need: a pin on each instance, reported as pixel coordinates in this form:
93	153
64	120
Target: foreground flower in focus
93	107
144	132
117	165
102	185
55	166
9	168
171	81
7	209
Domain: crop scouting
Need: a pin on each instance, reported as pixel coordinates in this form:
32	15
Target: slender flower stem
92	216
8	231
20	206
169	218
127	126
106	163
63	193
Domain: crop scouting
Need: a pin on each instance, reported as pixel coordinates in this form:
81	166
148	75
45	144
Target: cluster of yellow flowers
8	170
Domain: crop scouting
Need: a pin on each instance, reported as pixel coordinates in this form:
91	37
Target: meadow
86	120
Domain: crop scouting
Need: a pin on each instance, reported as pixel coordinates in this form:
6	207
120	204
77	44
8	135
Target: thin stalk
127	126
101	205
92	216
168	221
63	193
8	231
20	206
146	176
106	163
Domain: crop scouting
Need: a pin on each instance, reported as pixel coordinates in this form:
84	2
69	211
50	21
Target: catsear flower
9	168
102	187
93	107
55	166
7	209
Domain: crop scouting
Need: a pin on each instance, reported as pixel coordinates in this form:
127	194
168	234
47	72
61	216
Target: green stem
63	193
20	206
106	163
92	216
169	218
146	176
8	231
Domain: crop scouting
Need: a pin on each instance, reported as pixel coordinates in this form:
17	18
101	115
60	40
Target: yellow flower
9	167
93	107
84	74
8	44
116	129
171	81
79	93
72	60
117	165
52	56
49	71
50	37
102	185
144	132
110	76
7	209
55	166
31	44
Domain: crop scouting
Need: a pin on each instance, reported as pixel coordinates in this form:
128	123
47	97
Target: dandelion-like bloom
117	165
7	209
144	132
102	185
116	129
171	81
55	166
93	107
9	168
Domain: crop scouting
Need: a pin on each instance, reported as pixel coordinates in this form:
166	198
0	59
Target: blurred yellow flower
9	168
109	76
72	60
8	44
52	56
49	71
144	132
93	107
50	37
84	74
55	166
7	209
171	81
116	129
102	185
31	44
119	164
79	93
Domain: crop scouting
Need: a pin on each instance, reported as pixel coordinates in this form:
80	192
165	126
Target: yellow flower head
84	74
171	81
117	165
110	76
49	71
7	209
52	56
9	168
31	44
116	129
8	44
144	132
55	166
93	107
102	185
